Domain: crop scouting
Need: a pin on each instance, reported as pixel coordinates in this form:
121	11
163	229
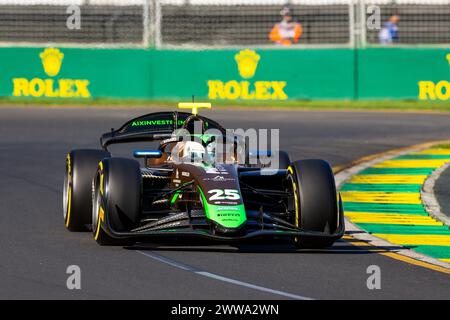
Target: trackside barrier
230	75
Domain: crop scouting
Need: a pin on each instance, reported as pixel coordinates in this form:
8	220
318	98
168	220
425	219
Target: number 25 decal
227	194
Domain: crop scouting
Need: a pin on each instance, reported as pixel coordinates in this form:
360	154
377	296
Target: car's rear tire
77	193
316	202
117	194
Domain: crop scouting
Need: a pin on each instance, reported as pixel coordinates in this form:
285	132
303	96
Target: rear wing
151	127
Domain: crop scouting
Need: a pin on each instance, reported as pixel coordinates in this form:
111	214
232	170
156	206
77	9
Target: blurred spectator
287	31
389	33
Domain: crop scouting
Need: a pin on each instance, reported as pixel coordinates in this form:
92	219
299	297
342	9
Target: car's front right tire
77	192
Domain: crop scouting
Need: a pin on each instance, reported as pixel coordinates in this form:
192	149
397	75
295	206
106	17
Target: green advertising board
403	73
74	73
229	75
254	74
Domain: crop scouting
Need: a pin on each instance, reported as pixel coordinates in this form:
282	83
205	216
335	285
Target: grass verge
393	105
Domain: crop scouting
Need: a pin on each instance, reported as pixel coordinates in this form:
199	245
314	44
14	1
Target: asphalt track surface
36	249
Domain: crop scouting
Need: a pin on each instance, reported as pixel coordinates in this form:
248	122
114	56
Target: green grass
443	146
392	105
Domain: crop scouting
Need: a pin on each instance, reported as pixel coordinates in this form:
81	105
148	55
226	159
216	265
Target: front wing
194	225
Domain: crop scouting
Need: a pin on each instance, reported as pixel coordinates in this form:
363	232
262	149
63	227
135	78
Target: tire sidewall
81	166
316	197
120	199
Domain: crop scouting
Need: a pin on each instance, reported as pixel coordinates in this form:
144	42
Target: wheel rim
96	204
67	190
293	188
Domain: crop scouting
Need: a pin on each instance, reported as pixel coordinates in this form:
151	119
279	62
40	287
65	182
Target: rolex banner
254	75
62	73
225	75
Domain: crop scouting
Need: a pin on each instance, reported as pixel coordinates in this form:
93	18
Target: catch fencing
219	24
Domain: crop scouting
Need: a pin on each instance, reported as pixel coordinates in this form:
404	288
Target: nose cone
226	219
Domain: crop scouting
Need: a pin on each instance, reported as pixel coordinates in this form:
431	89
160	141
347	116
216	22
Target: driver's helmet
188	151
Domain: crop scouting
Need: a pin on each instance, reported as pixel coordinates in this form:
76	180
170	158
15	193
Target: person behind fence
389	33
286	32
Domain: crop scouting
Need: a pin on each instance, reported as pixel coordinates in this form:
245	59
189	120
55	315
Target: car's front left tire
116	200
316	201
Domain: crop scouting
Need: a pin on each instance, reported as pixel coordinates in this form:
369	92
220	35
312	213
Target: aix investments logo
247	64
52	61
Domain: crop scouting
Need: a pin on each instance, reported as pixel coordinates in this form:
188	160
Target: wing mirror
155	154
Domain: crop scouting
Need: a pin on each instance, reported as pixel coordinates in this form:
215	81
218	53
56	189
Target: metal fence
219	23
100	25
418	24
250	25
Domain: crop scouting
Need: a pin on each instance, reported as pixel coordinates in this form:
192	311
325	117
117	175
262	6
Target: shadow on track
343	246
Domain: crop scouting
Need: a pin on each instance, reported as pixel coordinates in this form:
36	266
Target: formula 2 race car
192	188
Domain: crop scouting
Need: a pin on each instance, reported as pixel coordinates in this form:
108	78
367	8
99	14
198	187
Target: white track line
210	275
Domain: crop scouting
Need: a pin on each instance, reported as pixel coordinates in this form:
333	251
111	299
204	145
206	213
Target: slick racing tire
315	201
116	198
77	193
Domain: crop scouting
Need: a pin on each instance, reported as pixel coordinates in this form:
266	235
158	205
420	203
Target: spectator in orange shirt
286	32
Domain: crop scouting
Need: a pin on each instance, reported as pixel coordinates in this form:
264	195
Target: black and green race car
189	188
